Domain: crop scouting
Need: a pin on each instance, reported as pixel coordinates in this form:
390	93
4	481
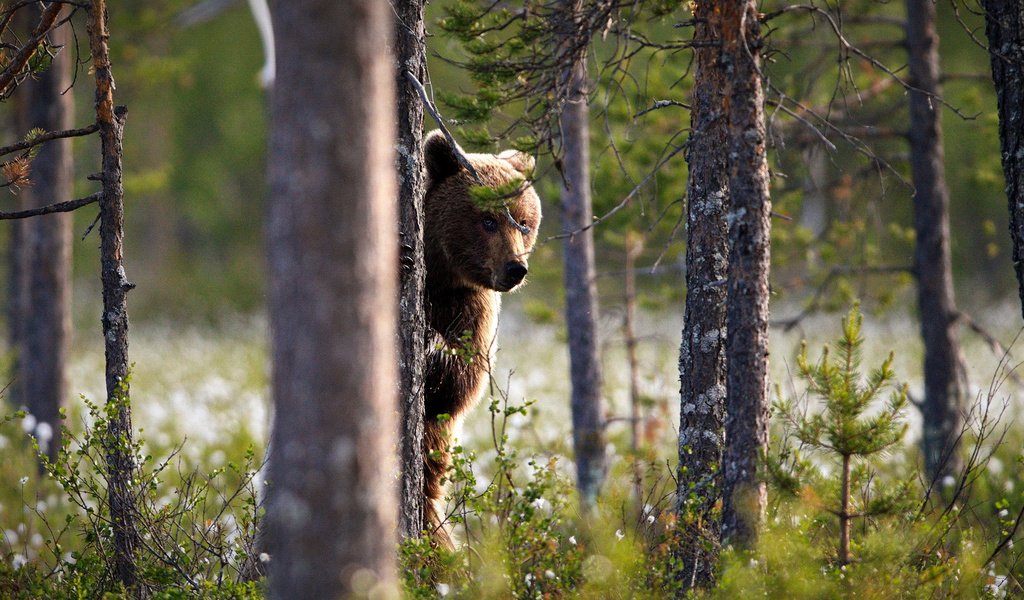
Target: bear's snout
514	274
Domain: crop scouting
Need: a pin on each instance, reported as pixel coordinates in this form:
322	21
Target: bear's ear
521	162
439	157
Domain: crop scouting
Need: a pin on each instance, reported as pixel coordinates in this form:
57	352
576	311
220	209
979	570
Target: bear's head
469	245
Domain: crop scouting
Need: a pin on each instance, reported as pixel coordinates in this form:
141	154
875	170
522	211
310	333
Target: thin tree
944	374
1004	26
702	352
581	311
746	348
410	50
120	461
41	258
331	253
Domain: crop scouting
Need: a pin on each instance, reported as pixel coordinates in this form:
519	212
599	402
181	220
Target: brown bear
471	255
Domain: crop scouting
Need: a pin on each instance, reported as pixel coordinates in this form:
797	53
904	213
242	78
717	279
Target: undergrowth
514	513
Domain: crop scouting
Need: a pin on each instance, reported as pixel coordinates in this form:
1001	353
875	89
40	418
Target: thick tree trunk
410	52
580	286
747	401
702	352
44	253
944	374
120	460
1004	26
332	258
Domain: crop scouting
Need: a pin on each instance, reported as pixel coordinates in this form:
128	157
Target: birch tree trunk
581	309
944	372
410	48
43	315
702	352
1004	26
332	257
746	347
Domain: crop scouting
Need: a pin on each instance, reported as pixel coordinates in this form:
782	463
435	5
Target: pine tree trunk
1004	26
120	461
580	287
702	352
44	316
944	372
332	256
746	348
633	248
844	514
411	56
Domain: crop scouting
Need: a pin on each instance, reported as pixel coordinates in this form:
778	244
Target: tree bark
746	348
43	256
944	373
410	49
634	245
332	257
1004	26
120	462
581	309
702	352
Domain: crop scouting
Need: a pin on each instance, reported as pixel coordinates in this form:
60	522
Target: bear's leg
436	436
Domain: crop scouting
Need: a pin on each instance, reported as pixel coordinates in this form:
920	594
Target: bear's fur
471	255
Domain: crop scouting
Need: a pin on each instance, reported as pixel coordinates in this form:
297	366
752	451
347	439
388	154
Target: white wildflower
650	519
619	535
997	589
528	579
572	540
18	561
44	433
28	424
264	557
1004	513
443	589
948	481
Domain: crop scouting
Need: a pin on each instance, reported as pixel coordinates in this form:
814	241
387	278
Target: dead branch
49	136
59	207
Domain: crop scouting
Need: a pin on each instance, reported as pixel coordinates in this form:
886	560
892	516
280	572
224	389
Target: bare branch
59	207
48	136
440	123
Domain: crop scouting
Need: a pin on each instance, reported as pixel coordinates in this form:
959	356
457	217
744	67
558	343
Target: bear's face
471	246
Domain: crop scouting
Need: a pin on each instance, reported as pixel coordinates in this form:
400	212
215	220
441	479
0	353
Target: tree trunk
44	253
120	461
580	286
746	348
634	245
1004	26
845	519
944	373
411	56
332	257
702	352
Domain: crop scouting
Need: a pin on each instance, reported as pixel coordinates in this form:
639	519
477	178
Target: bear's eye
490	224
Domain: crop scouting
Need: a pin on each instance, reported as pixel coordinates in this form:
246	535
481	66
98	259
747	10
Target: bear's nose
514	273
